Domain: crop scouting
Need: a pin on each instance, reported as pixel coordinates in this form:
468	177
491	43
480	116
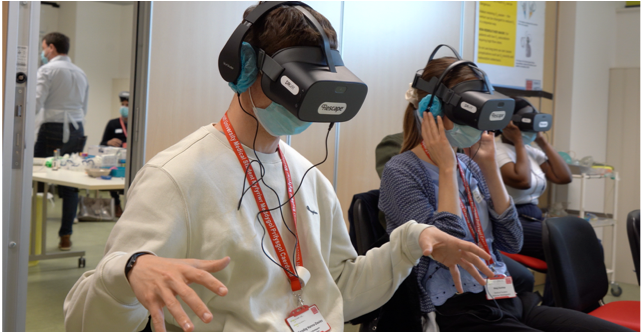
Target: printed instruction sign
23	57
509	42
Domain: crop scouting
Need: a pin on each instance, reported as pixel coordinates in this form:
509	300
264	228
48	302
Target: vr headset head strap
440	79
438	47
229	60
325	43
528	104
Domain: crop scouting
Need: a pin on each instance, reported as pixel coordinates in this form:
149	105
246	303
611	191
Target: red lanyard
124	128
272	230
475	221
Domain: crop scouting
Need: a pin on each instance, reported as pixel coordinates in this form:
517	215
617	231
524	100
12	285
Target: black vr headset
528	118
471	103
309	81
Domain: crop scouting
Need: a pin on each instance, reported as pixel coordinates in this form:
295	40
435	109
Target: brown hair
59	41
285	27
411	133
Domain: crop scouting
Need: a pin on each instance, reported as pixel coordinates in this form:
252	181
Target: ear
435	109
248	70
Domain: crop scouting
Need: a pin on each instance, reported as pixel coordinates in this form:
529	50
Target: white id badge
307	319
499	288
118	131
477	195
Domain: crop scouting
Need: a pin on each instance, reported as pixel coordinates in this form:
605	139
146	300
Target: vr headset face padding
311	82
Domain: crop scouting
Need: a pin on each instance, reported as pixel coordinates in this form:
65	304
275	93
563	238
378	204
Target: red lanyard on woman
124	128
272	230
473	222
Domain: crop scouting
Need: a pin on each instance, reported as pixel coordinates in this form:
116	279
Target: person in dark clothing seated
116	131
116	135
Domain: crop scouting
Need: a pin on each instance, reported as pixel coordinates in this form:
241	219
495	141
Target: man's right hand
156	282
115	142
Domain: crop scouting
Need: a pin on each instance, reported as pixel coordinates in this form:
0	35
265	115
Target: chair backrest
575	263
633	237
364	233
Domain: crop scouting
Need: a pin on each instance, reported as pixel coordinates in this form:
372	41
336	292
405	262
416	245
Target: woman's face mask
463	136
124	111
528	137
277	120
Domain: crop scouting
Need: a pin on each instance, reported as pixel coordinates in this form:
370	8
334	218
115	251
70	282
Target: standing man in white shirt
61	95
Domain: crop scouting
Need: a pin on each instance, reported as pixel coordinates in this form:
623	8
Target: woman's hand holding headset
483	152
441	152
513	134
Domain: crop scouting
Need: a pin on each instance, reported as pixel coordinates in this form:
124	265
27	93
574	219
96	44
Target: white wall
627	38
585	55
623	130
385	43
586	52
49	17
623	153
101	37
103	51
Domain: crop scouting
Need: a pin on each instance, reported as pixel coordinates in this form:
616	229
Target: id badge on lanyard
304	318
499	287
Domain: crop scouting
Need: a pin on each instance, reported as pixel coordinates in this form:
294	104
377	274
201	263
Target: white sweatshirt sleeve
367	282
155	216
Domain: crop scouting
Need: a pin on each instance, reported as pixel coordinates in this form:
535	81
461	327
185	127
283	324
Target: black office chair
633	237
364	234
365	230
579	278
402	311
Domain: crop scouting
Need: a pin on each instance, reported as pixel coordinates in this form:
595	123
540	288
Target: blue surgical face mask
528	137
124	111
277	120
43	58
463	136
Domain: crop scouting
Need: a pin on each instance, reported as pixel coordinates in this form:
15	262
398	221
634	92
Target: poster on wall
509	41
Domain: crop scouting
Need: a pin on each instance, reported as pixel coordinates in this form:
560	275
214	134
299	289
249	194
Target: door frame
23	23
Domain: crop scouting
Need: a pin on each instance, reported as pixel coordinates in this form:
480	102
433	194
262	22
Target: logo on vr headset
543	124
526	120
289	85
332	108
497	115
468	107
228	65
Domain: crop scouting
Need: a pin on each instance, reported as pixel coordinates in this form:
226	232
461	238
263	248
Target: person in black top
116	131
116	135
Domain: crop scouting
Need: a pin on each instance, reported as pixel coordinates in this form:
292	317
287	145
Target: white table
67	178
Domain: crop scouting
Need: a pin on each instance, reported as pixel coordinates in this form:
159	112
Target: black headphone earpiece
229	63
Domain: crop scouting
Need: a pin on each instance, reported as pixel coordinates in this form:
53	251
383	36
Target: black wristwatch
132	261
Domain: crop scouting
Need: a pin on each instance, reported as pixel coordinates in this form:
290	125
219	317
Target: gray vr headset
471	103
528	118
309	81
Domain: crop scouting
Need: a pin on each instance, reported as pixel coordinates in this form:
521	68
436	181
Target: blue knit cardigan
407	193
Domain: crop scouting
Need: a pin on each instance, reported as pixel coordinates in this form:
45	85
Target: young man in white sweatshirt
184	238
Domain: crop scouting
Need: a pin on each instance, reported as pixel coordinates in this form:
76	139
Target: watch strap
132	261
